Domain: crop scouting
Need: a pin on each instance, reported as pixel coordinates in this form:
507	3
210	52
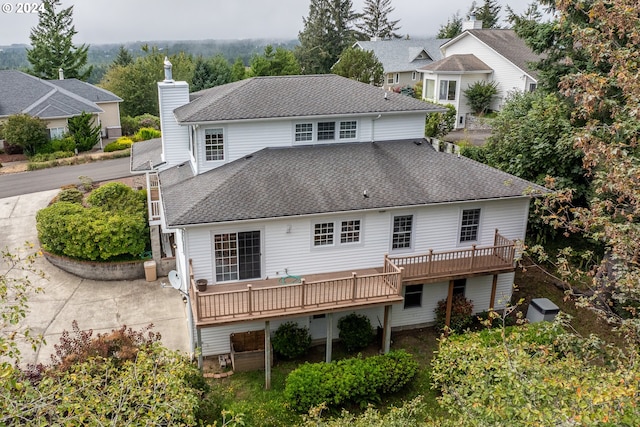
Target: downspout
190	321
373	128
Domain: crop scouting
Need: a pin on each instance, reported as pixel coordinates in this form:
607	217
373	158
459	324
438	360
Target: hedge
354	380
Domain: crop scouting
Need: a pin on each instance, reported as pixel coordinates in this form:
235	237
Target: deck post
473	256
354	283
447	321
430	261
329	320
399	284
199	348
267	355
386	331
494	284
249	302
303	282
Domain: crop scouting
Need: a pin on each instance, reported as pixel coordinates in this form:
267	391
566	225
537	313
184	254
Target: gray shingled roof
466	63
87	91
401	55
22	93
145	155
281	182
294	96
509	45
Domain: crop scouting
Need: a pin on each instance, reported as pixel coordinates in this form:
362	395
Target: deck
335	291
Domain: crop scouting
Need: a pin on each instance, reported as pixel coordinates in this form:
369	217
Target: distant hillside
102	55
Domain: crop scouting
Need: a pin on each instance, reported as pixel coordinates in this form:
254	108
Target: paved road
14	184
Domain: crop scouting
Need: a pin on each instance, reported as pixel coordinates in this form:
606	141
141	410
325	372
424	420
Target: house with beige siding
477	54
55	101
306	198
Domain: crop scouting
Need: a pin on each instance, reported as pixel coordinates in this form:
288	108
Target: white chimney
175	138
60	74
472	23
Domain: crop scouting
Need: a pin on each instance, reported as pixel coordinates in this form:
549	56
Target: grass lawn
244	392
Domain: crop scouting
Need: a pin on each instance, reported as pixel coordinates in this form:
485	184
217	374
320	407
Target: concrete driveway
98	305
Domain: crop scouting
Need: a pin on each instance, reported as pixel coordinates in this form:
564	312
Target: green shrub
479	95
84	131
438	125
353	380
128	125
71	195
114	227
131	125
115	197
121	143
291	340
355	331
47	157
461	313
145	134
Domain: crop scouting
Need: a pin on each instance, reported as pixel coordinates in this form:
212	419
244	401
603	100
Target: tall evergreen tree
238	71
488	13
452	28
124	57
52	46
375	21
328	30
202	75
274	62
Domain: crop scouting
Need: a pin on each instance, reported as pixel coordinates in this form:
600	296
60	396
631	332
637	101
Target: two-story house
479	55
306	198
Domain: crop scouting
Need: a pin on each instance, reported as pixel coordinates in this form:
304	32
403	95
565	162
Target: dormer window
326	131
214	144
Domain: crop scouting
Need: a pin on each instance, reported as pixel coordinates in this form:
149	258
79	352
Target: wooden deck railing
264	300
254	301
435	265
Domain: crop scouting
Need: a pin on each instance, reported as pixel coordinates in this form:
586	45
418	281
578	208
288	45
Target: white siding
242	139
505	72
175	138
288	243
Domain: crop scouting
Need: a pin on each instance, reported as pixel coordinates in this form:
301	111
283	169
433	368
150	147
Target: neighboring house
306	198
55	101
401	58
489	55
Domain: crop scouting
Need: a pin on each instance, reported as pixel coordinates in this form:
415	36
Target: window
412	296
304	132
348	130
397	78
56	133
323	234
532	87
430	92
447	90
192	141
390	79
326	131
237	256
413	75
350	231
459	286
402	227
213	144
469	225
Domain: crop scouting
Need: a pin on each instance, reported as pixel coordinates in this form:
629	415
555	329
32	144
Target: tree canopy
328	30
360	65
274	62
375	22
52	45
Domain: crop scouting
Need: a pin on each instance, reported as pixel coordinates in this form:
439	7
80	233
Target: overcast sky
118	21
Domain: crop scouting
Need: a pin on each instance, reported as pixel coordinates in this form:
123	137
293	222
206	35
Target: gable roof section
145	155
294	96
507	44
22	93
401	55
458	64
315	179
87	91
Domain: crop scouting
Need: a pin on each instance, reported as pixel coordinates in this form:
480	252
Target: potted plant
201	285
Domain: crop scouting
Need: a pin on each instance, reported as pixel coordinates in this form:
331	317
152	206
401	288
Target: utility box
150	271
542	310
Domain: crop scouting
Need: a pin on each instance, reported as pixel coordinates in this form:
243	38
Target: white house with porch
306	198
